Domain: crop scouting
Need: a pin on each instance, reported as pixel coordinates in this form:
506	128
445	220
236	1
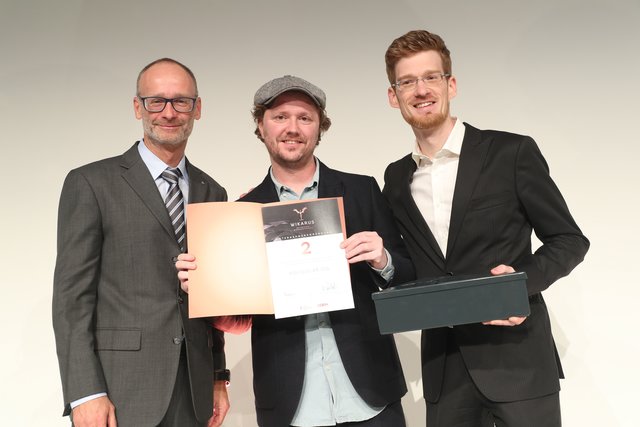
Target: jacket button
177	340
180	300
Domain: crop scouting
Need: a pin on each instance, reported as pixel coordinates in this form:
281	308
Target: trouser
180	412
462	405
391	416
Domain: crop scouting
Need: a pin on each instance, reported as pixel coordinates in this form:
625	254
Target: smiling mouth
291	142
424	104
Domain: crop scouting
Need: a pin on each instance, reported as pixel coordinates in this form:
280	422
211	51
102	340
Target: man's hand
511	321
98	412
502	269
185	263
365	246
220	404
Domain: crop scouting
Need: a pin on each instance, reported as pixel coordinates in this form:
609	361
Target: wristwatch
223	375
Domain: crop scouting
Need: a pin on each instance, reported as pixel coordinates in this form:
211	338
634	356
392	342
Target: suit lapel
472	156
263	193
197	185
330	184
198	190
413	213
137	175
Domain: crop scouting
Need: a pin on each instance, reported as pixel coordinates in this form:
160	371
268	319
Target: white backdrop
564	71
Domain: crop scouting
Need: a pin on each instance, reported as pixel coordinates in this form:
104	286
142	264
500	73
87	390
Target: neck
295	177
168	153
431	141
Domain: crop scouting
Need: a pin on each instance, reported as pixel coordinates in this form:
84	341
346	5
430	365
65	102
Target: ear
393	98
453	87
137	107
197	109
260	128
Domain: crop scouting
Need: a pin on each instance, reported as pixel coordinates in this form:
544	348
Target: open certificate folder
281	258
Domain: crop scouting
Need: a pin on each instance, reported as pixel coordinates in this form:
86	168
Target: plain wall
565	72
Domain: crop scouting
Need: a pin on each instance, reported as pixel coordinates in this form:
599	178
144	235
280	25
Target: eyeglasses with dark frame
433	79
156	104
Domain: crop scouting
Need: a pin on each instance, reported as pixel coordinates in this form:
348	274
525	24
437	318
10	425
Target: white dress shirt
434	182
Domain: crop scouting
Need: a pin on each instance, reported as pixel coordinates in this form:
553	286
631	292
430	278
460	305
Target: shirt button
177	340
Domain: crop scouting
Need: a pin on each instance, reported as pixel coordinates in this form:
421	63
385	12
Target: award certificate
279	258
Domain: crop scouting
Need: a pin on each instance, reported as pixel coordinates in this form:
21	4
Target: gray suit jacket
118	311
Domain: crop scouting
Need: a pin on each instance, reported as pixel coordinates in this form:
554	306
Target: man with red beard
128	353
466	202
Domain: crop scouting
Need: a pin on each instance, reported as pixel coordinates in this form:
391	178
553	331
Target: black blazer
370	359
503	191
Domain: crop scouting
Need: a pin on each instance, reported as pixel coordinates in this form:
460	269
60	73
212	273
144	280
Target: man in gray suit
126	348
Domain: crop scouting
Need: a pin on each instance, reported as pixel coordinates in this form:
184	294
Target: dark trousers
391	416
180	412
462	405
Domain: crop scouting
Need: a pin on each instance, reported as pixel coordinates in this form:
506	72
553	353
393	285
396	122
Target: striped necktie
175	204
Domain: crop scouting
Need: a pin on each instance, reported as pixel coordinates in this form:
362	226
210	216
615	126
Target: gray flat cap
276	87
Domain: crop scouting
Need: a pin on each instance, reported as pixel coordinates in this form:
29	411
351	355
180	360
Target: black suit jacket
118	311
503	191
370	359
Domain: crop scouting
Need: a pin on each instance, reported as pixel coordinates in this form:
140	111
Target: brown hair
171	61
258	114
415	42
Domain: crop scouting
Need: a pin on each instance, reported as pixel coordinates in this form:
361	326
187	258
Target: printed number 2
305	248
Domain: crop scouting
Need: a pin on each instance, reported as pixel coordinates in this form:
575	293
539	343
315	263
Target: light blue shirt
328	396
156	167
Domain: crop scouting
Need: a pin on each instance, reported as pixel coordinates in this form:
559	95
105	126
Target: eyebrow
413	76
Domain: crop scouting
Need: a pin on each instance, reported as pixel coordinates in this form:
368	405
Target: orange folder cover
228	241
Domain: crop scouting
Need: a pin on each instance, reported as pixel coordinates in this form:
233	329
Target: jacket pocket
491	201
118	339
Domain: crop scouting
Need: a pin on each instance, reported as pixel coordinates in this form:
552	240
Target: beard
426	122
171	139
430	121
287	159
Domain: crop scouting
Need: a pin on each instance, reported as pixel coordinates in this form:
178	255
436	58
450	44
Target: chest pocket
491	201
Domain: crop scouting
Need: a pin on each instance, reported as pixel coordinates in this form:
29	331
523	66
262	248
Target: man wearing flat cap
331	368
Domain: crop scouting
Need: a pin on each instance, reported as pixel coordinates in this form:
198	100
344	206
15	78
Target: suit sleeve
563	244
219	357
75	288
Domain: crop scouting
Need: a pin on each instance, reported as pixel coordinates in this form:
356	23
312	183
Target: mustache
172	121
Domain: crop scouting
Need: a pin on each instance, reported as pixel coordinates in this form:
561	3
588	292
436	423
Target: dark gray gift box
450	301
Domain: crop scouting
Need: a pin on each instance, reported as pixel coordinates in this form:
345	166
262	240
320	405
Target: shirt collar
157	166
451	147
280	188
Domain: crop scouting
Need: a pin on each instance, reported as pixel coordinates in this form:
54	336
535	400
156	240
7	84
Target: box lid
446	283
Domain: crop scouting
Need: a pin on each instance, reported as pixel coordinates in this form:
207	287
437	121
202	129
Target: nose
421	87
169	112
292	126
